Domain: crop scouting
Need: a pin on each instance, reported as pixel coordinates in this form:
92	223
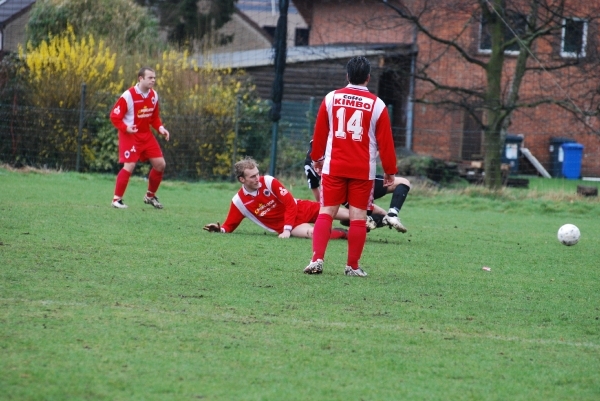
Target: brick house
449	133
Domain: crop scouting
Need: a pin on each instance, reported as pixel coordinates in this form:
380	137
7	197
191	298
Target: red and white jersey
352	126
135	108
272	207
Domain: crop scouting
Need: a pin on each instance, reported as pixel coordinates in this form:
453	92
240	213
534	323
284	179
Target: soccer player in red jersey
267	203
352	126
134	113
376	217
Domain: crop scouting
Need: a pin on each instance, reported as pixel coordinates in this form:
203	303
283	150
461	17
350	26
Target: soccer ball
568	234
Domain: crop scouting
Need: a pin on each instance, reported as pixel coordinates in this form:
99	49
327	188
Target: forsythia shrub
55	71
198	107
57	68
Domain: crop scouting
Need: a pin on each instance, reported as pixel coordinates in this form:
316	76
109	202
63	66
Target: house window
574	37
301	38
517	24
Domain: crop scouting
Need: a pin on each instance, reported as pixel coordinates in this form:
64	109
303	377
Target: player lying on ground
265	201
376	217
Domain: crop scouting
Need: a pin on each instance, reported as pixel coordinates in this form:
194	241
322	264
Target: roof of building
264	5
13	8
298	54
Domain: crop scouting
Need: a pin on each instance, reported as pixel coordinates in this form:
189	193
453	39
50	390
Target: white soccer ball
569	234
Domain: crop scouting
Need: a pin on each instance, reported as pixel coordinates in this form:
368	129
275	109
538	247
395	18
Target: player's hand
285	234
132	129
213	227
163	131
388	179
317	166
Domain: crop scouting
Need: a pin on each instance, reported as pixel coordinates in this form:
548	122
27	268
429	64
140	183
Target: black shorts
314	179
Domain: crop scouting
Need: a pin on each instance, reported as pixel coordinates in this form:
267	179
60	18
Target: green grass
141	304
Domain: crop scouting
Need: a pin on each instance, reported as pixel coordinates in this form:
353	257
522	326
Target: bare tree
551	42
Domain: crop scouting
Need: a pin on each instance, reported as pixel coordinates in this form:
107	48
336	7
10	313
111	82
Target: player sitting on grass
265	201
377	217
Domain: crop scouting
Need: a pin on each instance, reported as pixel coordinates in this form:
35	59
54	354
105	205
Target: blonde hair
246	163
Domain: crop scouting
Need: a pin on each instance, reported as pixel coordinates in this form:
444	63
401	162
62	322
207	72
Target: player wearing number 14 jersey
352	127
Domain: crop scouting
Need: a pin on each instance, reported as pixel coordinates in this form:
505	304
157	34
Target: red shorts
339	190
308	211
138	147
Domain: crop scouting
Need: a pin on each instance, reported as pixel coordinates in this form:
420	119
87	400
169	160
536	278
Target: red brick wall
438	132
345	22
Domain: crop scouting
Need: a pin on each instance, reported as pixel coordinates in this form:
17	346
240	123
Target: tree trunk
493	100
492	163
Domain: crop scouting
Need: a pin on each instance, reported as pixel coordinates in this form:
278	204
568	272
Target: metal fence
200	147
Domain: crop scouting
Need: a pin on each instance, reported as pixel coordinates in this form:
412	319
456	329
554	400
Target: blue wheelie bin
557	156
573	153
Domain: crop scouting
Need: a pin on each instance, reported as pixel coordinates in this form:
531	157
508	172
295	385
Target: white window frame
583	39
489	51
482	51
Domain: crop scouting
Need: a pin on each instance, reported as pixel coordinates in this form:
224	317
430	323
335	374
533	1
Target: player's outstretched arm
213	227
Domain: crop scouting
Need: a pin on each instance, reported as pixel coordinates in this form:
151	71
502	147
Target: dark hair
358	69
142	72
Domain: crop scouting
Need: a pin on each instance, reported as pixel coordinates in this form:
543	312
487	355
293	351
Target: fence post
280	50
273	163
311	115
81	119
238	107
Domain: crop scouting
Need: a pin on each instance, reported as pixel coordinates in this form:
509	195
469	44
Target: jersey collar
139	91
254	193
359	87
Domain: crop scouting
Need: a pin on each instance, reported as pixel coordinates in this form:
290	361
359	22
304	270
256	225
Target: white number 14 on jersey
353	125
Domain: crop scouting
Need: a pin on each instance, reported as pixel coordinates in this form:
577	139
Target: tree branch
405	14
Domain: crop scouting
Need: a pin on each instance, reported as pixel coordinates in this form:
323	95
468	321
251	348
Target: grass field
141	304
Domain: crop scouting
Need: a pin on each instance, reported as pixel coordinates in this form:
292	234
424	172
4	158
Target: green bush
434	169
120	23
102	155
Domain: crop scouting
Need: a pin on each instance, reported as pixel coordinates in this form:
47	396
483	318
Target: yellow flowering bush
55	71
57	68
198	106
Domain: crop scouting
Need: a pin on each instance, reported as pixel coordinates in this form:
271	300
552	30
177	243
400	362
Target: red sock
321	234
357	235
154	179
121	185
